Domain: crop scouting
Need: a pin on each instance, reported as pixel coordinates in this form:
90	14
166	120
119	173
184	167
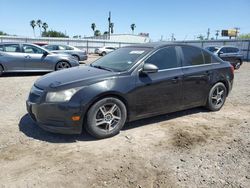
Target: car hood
73	77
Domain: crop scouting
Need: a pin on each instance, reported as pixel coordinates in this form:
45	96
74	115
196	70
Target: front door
35	58
160	92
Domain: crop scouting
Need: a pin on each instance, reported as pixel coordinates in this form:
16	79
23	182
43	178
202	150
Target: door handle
27	56
175	79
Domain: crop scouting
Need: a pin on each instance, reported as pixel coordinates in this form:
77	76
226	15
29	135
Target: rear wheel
217	97
106	117
62	65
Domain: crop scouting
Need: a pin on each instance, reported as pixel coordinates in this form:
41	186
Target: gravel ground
192	148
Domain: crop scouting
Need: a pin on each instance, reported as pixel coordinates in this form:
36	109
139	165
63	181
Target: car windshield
121	59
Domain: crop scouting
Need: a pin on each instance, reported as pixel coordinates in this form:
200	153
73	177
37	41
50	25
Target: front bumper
56	118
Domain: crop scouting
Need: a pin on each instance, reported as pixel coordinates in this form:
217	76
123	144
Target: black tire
237	64
76	57
62	65
1	70
109	124
217	97
104	53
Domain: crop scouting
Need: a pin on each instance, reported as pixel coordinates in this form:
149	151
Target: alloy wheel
108	117
62	65
218	96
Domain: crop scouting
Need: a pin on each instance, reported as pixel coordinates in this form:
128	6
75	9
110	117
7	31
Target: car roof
156	45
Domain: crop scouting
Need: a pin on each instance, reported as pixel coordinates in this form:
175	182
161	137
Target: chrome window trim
191	66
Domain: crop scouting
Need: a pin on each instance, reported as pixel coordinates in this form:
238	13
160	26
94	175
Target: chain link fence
90	44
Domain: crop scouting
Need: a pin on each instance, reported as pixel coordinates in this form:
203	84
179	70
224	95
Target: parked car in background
104	50
130	83
80	55
228	53
22	57
40	43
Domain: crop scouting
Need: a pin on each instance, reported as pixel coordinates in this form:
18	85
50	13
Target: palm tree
39	24
93	26
33	25
45	26
133	26
112	27
97	33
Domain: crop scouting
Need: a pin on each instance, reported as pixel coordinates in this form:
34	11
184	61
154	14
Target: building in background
127	38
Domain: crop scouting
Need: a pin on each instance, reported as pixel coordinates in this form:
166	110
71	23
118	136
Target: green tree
93	26
201	37
45	26
33	25
39	24
133	26
97	33
3	33
112	27
52	33
244	36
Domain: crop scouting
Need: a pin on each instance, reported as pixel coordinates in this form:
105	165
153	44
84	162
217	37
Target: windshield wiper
101	67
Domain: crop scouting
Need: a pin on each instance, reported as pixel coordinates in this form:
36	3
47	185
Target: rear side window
207	57
69	48
165	58
1	47
12	48
234	50
192	56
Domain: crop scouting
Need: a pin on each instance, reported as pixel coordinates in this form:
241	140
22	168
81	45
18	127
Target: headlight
61	96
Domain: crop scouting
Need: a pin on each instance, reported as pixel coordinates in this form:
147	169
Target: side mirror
45	53
149	68
220	53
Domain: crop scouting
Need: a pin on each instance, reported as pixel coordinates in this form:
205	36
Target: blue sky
185	18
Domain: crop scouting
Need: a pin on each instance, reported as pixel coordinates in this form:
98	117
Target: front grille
35	95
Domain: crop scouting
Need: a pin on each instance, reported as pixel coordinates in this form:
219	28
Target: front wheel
237	64
1	70
106	117
217	97
62	65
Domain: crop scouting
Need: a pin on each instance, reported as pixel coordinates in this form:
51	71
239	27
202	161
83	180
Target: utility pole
217	34
172	37
208	33
237	31
109	23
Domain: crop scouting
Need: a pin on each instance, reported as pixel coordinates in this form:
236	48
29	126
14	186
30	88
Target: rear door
13	59
35	58
160	92
197	70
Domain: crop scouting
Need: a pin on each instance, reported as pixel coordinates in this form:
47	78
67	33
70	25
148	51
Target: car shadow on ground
31	129
24	74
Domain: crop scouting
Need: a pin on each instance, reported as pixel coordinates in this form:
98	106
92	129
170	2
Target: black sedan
128	84
22	57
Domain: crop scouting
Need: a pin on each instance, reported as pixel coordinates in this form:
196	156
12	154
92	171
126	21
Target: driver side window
32	49
165	58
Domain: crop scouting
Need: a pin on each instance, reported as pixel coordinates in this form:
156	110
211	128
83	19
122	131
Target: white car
104	50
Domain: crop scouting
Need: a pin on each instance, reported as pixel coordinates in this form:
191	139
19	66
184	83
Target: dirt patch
184	139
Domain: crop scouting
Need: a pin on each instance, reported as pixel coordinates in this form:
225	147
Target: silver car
80	55
22	57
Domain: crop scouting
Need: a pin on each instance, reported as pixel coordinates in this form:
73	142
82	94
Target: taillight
232	69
